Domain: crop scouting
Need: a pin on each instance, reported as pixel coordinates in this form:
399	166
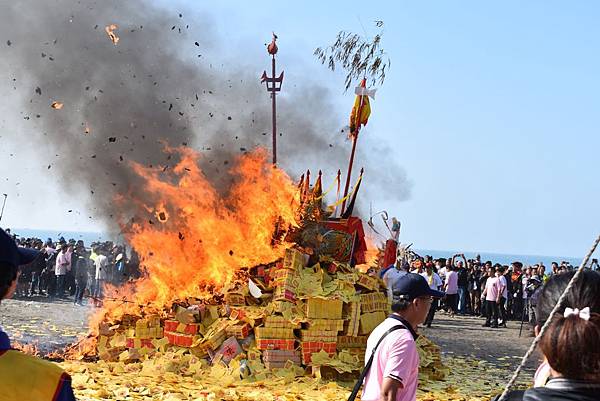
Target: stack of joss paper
279	316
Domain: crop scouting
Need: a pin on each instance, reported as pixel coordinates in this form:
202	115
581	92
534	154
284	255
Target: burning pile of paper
275	316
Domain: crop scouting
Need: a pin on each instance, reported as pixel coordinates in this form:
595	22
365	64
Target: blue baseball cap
12	254
412	285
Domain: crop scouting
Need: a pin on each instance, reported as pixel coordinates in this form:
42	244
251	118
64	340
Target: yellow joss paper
118	340
160	344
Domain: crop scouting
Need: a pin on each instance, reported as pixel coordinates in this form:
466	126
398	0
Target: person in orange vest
24	377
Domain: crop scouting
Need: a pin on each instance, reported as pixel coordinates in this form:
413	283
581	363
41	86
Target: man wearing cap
25	377
393	376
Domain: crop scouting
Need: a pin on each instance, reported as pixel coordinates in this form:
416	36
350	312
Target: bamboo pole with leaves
362	59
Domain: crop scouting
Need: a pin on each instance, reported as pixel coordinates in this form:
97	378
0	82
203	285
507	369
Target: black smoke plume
163	82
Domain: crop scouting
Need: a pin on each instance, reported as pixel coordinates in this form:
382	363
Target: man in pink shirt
491	294
393	375
63	265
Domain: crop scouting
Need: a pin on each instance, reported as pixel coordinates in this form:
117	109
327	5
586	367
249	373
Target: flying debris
111	34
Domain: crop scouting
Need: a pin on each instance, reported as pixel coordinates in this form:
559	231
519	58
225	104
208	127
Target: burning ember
110	31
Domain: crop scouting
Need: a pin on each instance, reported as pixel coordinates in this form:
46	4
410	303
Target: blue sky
491	109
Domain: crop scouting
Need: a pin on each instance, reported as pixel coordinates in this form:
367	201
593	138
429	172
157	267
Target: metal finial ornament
273	86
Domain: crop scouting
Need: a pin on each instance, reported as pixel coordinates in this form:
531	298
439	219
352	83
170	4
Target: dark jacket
463	277
559	390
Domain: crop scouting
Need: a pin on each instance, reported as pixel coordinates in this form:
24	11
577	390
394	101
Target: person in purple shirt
25	377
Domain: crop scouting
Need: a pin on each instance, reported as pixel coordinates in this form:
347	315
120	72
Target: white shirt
502	280
101	267
435	282
452	283
63	263
390	278
525	281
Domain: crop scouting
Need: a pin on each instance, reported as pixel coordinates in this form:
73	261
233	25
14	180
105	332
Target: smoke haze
164	82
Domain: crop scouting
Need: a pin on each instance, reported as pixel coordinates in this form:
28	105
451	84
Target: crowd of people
570	369
68	269
570	366
493	291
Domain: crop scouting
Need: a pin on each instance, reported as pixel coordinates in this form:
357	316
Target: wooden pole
354	140
274	114
349	173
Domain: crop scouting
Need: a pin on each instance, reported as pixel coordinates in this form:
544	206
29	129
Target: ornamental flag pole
359	117
273	86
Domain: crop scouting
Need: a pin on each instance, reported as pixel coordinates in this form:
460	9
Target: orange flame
193	236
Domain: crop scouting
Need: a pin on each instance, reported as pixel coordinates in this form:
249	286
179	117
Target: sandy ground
52	324
49	324
463	336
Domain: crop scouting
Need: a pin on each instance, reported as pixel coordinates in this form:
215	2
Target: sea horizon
503	258
496	257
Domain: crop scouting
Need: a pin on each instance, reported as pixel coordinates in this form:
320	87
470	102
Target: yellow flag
360	112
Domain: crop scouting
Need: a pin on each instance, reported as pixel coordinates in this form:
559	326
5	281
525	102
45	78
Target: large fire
194	239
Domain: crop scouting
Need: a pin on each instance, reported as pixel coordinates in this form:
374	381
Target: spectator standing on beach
63	265
524	284
48	278
133	265
482	282
491	294
503	295
463	285
474	286
446	267
451	289
102	267
392	276
554	268
517	290
534	286
507	272
542	273
80	262
39	264
120	272
435	283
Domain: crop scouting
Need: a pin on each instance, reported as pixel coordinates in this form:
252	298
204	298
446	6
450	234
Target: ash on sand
54	324
50	325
